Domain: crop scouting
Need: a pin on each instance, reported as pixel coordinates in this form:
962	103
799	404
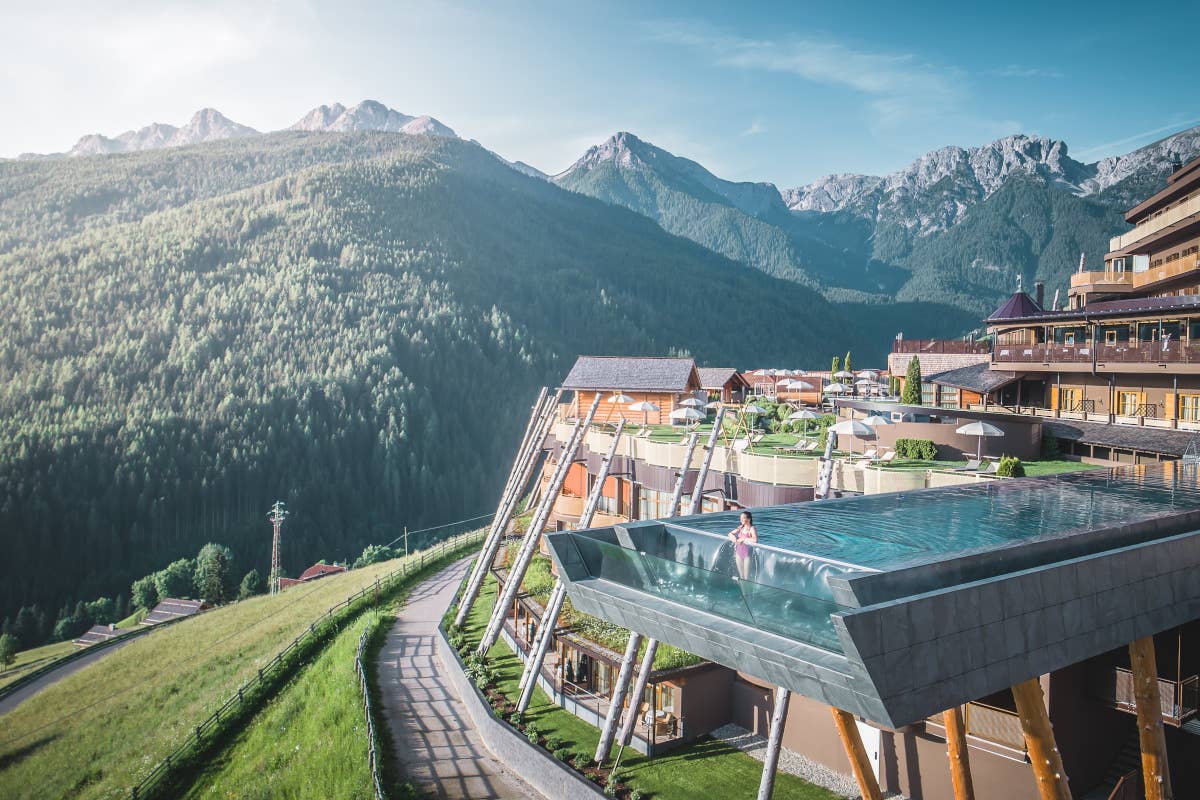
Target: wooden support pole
609	731
702	476
541	645
1156	774
677	495
847	728
766	784
524	556
956	749
508	505
1039	741
639	688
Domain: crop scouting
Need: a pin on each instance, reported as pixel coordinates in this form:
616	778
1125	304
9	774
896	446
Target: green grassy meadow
309	741
97	731
34	658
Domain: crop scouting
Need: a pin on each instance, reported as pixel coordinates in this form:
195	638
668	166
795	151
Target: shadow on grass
14	757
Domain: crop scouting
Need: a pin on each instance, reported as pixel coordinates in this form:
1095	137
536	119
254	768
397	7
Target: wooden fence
286	660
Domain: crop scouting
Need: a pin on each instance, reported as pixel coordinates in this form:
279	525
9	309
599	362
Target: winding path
435	743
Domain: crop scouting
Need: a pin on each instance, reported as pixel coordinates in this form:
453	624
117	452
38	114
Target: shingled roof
1123	437
717	377
974	378
633	374
1018	306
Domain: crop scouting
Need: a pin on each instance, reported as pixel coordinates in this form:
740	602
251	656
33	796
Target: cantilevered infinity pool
897	606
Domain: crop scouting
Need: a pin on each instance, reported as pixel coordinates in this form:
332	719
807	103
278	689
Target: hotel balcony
990	728
1178	699
1114	282
1135	354
1156	223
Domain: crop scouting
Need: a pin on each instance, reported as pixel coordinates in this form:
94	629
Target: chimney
1039	293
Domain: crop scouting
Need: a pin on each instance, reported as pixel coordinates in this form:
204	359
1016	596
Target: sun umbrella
691	402
713	405
981	429
687	414
836	388
844	373
868	373
803	415
853	427
619	397
800	386
864	382
750	408
645	406
761	373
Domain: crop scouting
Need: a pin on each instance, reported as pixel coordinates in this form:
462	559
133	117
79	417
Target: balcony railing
952	346
1156	223
1168	352
990	725
1178	700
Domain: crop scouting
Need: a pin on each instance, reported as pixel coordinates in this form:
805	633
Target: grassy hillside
96	732
352	323
32	659
310	741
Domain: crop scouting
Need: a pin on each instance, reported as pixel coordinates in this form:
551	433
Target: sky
784	92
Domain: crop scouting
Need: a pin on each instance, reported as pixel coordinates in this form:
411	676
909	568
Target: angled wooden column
1039	740
956	748
847	728
1156	775
620	689
766	785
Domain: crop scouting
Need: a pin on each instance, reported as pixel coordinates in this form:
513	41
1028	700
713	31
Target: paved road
27	691
436	744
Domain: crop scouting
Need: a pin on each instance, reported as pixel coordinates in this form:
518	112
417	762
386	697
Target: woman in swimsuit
743	536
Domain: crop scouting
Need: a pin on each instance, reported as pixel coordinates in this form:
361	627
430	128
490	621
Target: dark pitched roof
171	608
1111	308
633	374
717	377
1125	437
974	378
1018	306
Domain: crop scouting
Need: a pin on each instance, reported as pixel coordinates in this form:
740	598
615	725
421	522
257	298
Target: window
1127	403
1110	337
653	504
666	697
1068	399
948	398
928	394
1189	407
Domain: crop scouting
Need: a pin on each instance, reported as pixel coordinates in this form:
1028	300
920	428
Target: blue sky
783	92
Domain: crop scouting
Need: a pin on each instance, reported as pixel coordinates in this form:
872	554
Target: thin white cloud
756	127
898	86
1020	71
1140	138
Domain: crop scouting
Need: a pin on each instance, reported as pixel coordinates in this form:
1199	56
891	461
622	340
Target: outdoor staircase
1192	726
1126	761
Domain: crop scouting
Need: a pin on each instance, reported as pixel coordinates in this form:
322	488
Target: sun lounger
644	433
870	454
812	446
887	457
992	469
756	437
971	465
740	445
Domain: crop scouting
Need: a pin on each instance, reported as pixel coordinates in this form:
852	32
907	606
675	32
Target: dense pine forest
353	323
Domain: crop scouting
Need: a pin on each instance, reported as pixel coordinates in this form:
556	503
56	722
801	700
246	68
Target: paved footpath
18	696
436	745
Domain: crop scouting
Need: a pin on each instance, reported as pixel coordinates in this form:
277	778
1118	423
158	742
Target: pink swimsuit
742	550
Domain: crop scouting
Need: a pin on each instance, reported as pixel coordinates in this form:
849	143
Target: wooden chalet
661	381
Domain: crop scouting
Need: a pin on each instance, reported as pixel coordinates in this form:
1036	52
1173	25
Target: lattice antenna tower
277	516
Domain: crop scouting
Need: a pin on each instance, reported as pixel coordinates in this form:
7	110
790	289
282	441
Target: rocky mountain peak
369	115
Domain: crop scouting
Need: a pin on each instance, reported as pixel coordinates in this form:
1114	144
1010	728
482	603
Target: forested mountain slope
353	323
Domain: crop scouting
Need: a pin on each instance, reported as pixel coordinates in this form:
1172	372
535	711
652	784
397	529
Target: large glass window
1113	334
948	397
928	394
1189	407
653	504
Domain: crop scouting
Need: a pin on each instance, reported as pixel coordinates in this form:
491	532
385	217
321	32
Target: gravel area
793	763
